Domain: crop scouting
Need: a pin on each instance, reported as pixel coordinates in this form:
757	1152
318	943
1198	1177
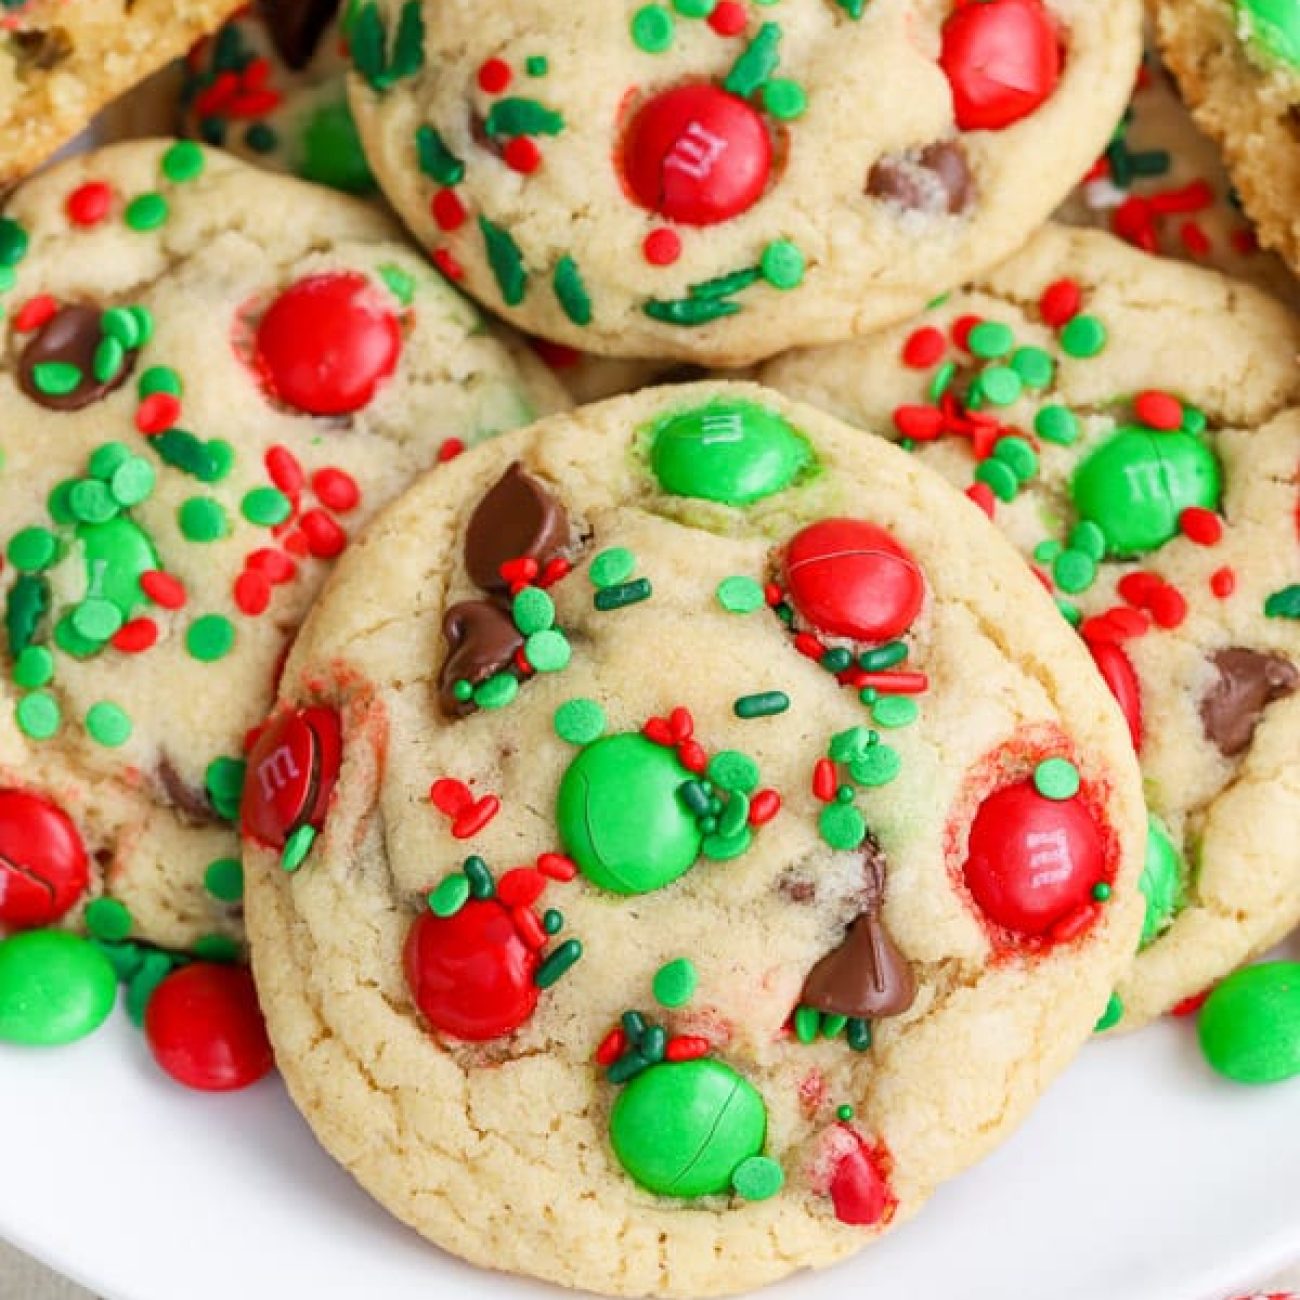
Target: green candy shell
1161	883
1250	1025
116	554
331	151
1273	28
55	988
683	1129
620	816
730	451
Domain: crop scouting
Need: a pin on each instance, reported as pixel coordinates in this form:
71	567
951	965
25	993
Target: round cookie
1132	424
703	874
1161	186
270	87
1238	65
61	62
720	180
211	377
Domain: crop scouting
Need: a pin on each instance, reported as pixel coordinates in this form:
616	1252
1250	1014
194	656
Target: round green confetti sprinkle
1047	550
1101	892
844	1113
845	746
548	652
451	894
740	595
91	502
537	65
1113	1014
1194	419
807	1023
146	212
183	161
108	360
1088	538
265	506
990	339
1069	611
203	520
132	482
1074	572
96	620
34	667
652	29
108	725
1083	336
734	772
38	715
463	691
695	8
1034	366
1056	778
224	781
942	380
57	378
785	99
842	826
533	611
107	457
220	948
210	638
224	879
894	711
758	1178
610	567
59	502
122	326
159	379
33	549
296	848
1001	385
999	477
674	983
496	692
579	721
1019	454
782	264
71	642
876	766
13	242
1057	424
108	919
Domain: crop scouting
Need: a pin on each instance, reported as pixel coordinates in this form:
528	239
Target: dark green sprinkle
622	594
27	603
633	1023
13	242
552	921
436	160
108	919
1284	603
224	880
572	291
726	286
653	1043
689	311
224	782
626	1067
883	657
219	948
511	117
506	260
858	1034
408	49
757	62
560	961
140	987
695	797
209	462
481	884
764	704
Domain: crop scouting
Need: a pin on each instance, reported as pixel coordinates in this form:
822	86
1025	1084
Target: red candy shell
1002	61
859	1189
204	1027
291	775
1033	861
697	154
325	344
43	866
1120	675
850	578
471	974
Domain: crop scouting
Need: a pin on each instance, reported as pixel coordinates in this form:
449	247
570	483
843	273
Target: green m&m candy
1161	882
1137	483
117	553
1250	1025
728	450
683	1129
331	150
55	987
1273	28
621	818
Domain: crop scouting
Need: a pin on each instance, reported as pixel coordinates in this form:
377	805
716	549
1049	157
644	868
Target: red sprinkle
336	488
612	1046
894	683
521	887
1201	526
763	807
522	569
555	866
1223	582
982	495
1158	410
961	328
450	796
824	780
924	347
35	312
137	635
728	18
658	731
809	646
325	536
522	155
924	423
450	449
1060	303
529	928
682	724
157	413
1190	1006
494	76
275	565
252	592
285	470
685	1047
88	204
1072	925
162	589
1194	239
692	756
1168	607
1137	588
447	209
445	260
662	247
473	820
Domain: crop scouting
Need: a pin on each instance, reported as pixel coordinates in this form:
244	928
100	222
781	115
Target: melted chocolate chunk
517	518
70	337
37	50
481	641
296	27
934	179
1249	681
194	803
866	977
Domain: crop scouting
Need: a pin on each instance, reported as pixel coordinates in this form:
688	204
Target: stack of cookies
668	604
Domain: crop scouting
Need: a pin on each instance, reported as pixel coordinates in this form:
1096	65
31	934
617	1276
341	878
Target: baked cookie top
211	376
719	181
1130	423
687	836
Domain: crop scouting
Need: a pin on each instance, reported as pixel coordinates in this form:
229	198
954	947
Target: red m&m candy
43	865
697	154
1033	861
204	1027
1002	61
325	344
859	1188
471	973
848	577
291	775
1120	675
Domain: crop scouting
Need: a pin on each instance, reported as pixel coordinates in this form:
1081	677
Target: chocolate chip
481	641
40	51
70	338
296	27
517	518
934	179
193	802
1249	681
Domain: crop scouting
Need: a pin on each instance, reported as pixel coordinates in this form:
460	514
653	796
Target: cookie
1237	63
270	87
1132	424
718	181
1161	186
211	377
686	837
61	62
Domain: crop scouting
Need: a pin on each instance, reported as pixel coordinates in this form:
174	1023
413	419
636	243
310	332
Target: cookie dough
717	181
211	378
1132	424
687	836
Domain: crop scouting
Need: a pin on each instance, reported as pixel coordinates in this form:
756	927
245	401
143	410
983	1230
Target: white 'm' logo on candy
1049	856
695	152
275	772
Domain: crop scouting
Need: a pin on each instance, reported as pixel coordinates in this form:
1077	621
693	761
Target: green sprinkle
675	982
723	286
96	620
1000	385
833	1026
782	264
154	967
56	378
1088	538
203	520
1019	454
132	482
622	594
537	65
842	826
579	721
734	772
1113	1014
652	29
38	715
481	884
13	242
883	657
653	1044
999	477
91	502
108	920
1194	419
557	964
858	1034
1083	336
511	117
108	360
1101	892
847	745
571	291
807	1024
1034	366
741	595
1284	603
108	725
450	896
689	312
219	948
159	379
400	283
876	766
844	1113
108	458
758	1178
763	704
121	326
209	461
183	161
549	651
34	667
496	692
893	711
695	8
612	566
146	212
224	782
990	339
942	380
266	506
33	549
224	879
757	62
1057	424
1057	779
552	921
506	261
210	637
533	610
1074	571
786	100
296	848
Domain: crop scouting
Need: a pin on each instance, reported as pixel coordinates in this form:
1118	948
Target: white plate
1141	1177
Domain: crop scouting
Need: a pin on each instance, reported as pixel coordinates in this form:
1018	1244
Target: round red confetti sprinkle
924	423
1138	588
474	819
285	471
157	413
88	204
692	757
276	565
137	635
662	247
296	544
982	495
522	155
163	589
447	209
522	569
728	18
521	887
447	264
1060	303
1168	607
494	76
960	330
1223	582
35	312
325	537
1201	526
924	347
252	592
763	807
1158	410
336	489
